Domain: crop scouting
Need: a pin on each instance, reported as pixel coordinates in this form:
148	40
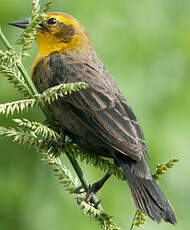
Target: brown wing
101	106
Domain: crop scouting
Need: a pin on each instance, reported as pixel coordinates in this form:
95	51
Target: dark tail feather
148	197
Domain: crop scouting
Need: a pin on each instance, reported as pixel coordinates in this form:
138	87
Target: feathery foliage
53	93
64	175
103	219
163	167
8	60
70	184
27	36
16	106
48	6
47	96
138	220
20	136
39	129
36	138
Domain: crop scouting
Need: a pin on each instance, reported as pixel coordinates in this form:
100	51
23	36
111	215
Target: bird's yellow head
60	31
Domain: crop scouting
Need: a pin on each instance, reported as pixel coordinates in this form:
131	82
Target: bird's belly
77	130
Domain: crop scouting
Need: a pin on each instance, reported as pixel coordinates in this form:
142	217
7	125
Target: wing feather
101	107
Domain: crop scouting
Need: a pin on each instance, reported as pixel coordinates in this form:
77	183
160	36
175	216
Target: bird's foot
93	204
92	190
78	190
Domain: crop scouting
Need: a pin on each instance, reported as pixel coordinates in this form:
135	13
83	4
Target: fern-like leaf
48	6
8	60
47	96
39	129
21	137
64	175
28	35
29	138
102	218
70	184
163	167
16	106
53	93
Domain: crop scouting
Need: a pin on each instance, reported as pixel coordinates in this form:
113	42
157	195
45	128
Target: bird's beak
23	23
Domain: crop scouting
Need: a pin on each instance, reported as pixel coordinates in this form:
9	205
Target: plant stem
33	92
27	79
21	68
133	222
80	174
3	38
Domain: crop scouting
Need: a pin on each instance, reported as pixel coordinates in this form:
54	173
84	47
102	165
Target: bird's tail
148	197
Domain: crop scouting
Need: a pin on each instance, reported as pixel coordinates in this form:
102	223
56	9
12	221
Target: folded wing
101	107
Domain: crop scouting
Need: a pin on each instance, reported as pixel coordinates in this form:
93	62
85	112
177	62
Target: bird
98	118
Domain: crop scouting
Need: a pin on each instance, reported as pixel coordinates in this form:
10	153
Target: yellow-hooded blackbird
98	119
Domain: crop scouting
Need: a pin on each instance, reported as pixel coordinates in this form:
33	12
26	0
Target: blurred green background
146	46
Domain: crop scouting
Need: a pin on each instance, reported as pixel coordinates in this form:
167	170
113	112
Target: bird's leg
93	189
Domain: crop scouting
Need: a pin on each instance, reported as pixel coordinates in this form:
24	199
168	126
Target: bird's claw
78	190
92	189
95	205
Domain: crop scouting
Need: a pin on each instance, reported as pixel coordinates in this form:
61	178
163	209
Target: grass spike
16	106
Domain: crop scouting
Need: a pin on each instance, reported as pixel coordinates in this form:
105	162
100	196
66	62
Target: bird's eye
52	21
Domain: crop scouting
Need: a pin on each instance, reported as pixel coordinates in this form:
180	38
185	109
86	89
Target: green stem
21	68
33	92
80	175
3	38
134	218
79	171
27	79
